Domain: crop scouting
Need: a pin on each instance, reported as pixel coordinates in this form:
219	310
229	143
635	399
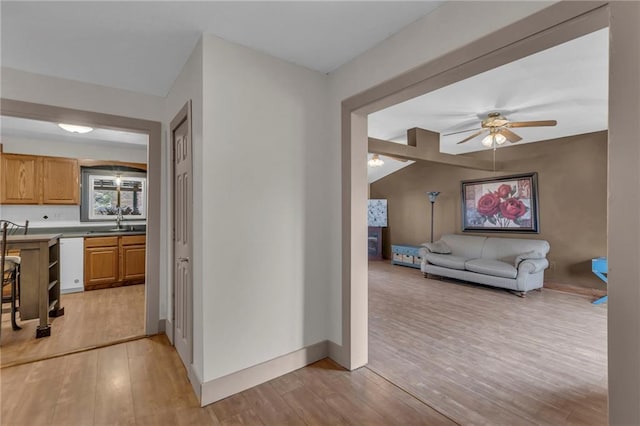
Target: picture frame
507	204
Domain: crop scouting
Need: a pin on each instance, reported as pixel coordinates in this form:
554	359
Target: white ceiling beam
424	145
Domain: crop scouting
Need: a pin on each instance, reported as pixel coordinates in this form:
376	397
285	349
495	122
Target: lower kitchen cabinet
114	261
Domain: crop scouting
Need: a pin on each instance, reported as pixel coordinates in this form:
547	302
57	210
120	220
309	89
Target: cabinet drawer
417	260
100	241
397	257
406	258
128	240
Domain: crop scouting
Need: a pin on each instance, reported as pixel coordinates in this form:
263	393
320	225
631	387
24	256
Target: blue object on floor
600	267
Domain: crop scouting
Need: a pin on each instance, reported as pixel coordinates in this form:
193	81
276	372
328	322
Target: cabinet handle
183	259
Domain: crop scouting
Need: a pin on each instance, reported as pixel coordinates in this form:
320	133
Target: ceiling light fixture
375	161
493	139
75	129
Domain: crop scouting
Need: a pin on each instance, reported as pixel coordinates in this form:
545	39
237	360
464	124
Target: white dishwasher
71	265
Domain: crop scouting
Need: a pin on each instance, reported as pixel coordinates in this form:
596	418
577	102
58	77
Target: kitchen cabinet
132	257
20	177
114	261
32	179
60	184
100	262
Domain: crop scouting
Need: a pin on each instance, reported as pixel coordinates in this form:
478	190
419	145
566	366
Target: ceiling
567	83
142	46
44	130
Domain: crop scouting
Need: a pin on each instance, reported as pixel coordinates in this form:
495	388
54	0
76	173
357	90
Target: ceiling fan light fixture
375	161
74	128
493	139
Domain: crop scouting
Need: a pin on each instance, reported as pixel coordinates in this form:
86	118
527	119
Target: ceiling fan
498	127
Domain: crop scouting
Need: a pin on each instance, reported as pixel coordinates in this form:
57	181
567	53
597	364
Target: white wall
451	26
37	88
266	249
187	86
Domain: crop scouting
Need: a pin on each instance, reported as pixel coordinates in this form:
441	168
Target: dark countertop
90	231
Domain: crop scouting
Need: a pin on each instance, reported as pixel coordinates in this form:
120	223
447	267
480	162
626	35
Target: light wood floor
143	382
440	353
90	319
484	356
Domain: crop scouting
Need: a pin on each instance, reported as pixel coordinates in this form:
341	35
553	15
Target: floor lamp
432	199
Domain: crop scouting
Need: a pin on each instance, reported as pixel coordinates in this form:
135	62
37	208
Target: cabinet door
20	179
60	184
132	262
100	266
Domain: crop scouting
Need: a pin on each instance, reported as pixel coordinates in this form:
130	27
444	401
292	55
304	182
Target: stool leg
14	289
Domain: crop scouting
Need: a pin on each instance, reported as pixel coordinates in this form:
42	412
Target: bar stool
11	268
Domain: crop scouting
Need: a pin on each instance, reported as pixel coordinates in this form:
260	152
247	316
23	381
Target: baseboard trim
196	382
162	326
338	354
168	329
568	288
239	381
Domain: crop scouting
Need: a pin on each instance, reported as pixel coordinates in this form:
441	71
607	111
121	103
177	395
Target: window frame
90	174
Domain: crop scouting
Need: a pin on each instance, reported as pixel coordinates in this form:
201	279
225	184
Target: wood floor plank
312	409
113	396
270	407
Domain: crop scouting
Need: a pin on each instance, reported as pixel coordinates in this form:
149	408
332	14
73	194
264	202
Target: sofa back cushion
466	246
507	249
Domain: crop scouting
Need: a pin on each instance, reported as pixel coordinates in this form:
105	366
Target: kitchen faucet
119	218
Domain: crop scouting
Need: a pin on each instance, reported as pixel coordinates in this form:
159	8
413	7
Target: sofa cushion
438	247
446	260
495	268
507	249
469	246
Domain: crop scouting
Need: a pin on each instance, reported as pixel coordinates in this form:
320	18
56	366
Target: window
105	192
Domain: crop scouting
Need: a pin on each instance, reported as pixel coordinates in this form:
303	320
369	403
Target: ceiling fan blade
532	123
511	137
462	131
472	136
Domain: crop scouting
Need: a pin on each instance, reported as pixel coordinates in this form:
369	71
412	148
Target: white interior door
182	241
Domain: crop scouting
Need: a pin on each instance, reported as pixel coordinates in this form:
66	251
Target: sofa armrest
532	266
423	252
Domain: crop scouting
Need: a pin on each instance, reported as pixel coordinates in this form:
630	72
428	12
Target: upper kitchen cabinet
60	184
31	179
20	179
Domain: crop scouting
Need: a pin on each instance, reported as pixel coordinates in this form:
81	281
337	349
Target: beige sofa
511	263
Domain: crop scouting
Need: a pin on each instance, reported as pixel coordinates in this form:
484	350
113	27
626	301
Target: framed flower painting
502	204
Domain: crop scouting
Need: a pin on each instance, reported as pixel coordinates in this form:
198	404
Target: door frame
551	26
56	114
183	115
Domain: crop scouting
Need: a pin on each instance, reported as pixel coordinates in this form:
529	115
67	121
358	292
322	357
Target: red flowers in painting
489	204
504	190
512	208
502	207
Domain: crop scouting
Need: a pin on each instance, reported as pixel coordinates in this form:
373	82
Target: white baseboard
196	382
233	383
338	354
167	328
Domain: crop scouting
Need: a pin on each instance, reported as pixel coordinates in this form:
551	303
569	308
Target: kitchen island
39	278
